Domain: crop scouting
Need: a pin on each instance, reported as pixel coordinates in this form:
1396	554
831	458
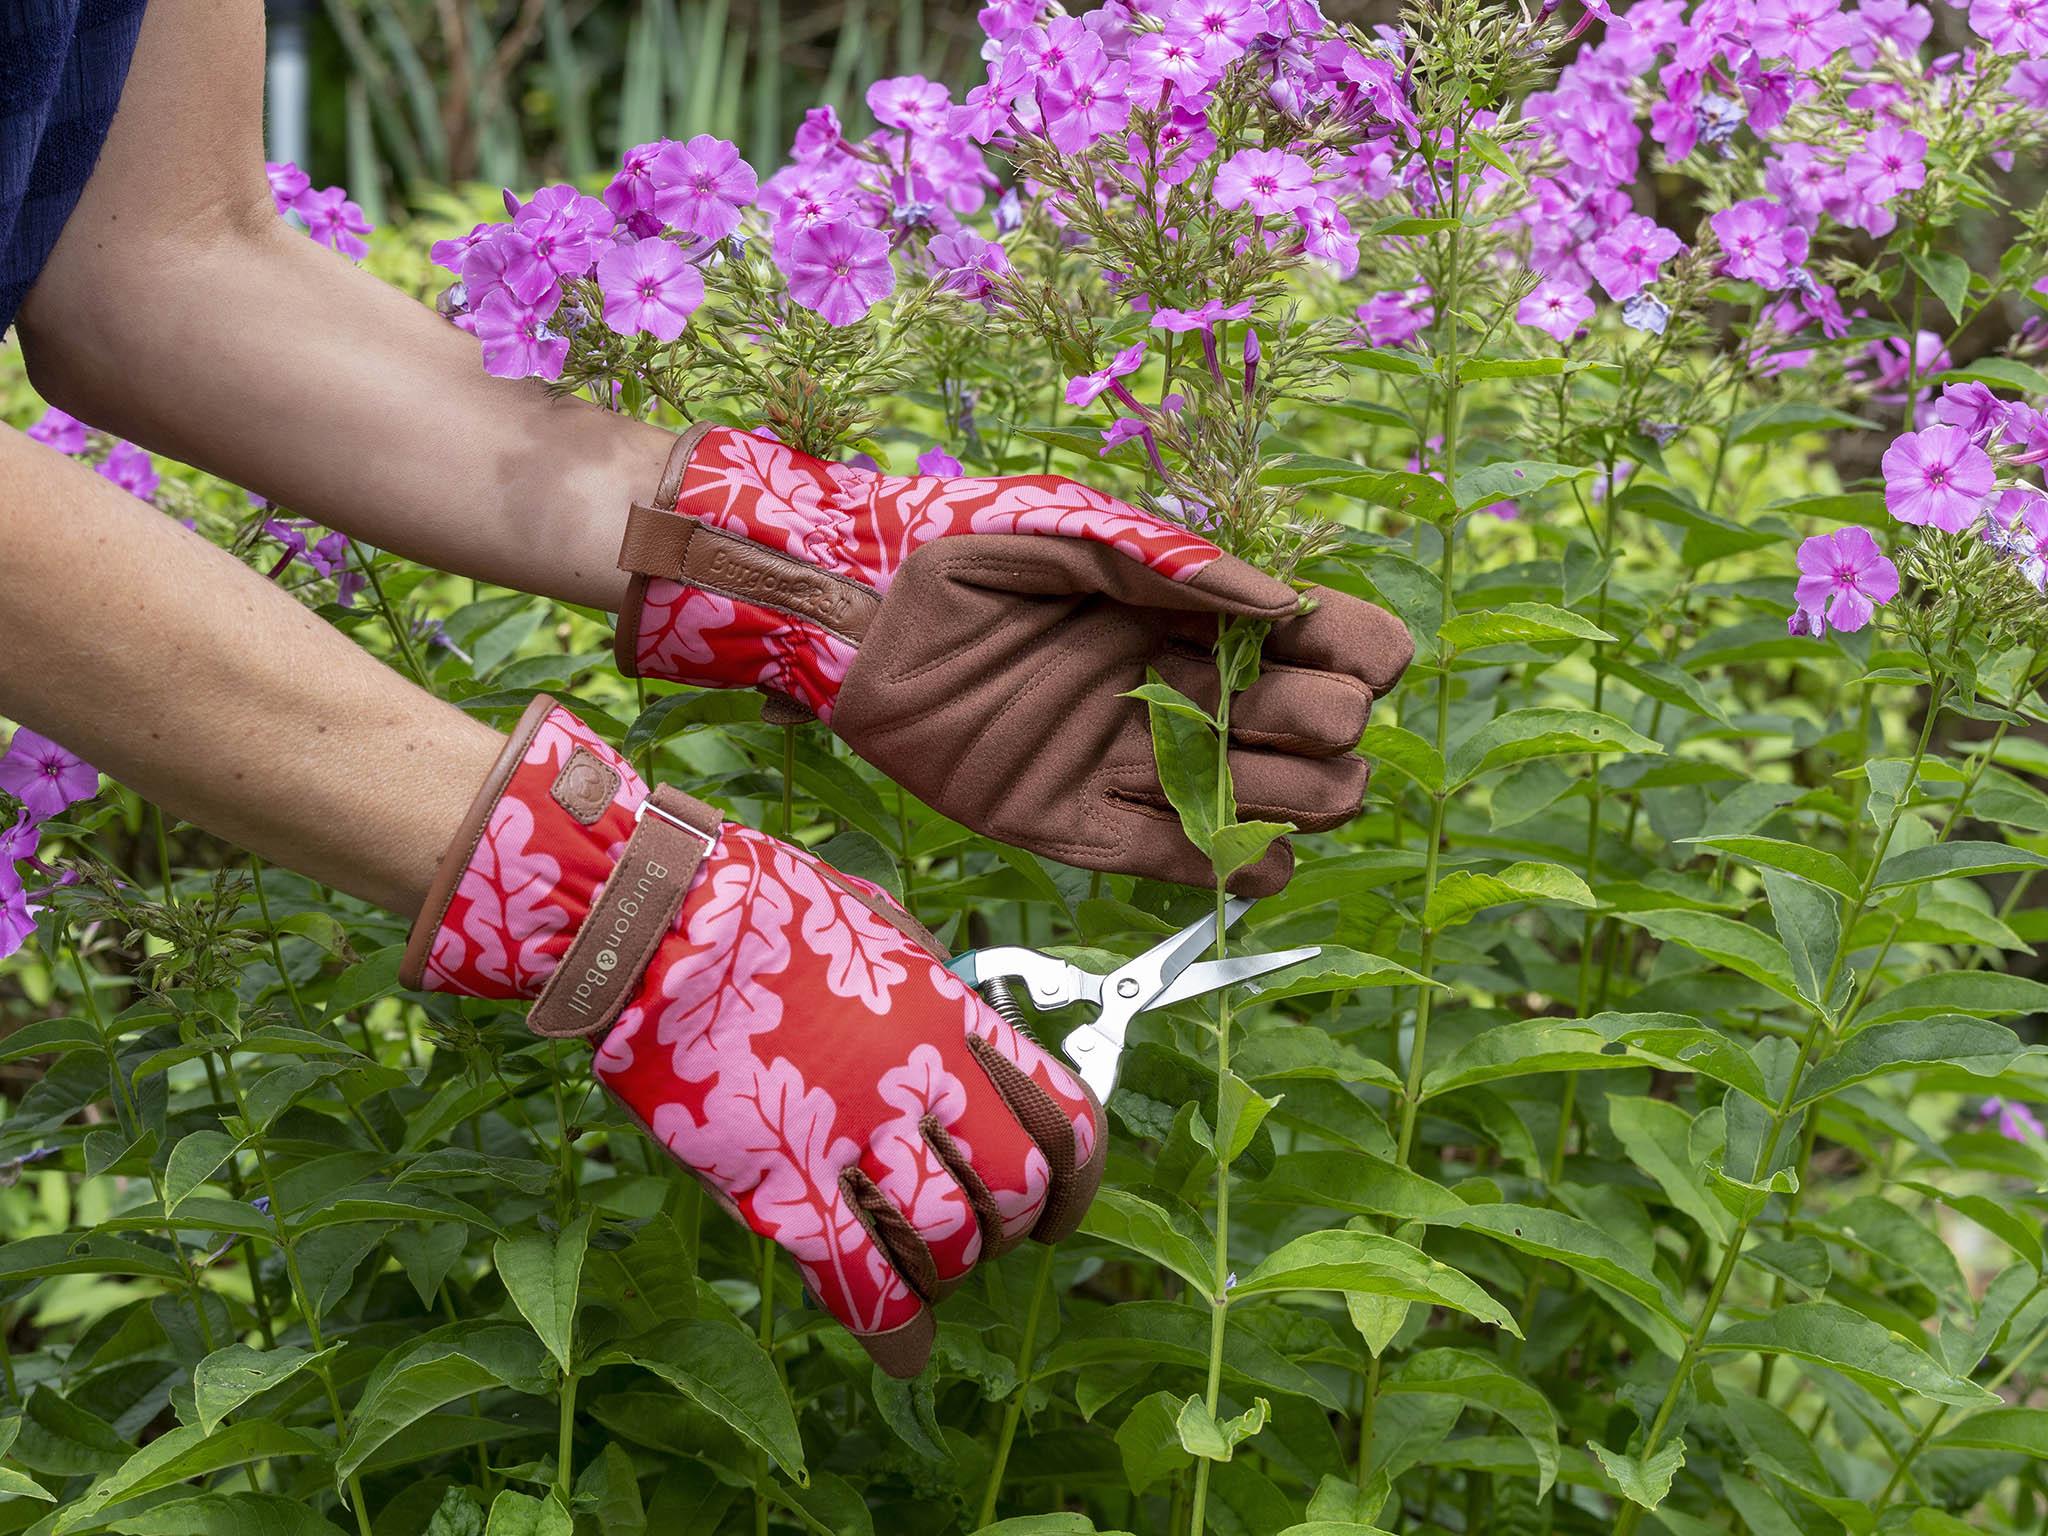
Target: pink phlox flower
1087	388
335	222
1328	236
2028	84
516	340
45	777
936	461
1396	317
1890	162
1806	33
1767	97
1937	478
1224	28
2016	1122
1082	105
968	265
701	186
131	469
1973	407
1171	61
60	430
287	184
1759	243
1268	181
819	134
839	270
1845	577
1185	140
909	102
649	286
2012	26
449	254
1557	309
1626	259
561	234
1900	23
631	192
1206	318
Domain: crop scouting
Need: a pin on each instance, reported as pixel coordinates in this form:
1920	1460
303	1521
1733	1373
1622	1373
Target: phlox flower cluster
328	214
44	780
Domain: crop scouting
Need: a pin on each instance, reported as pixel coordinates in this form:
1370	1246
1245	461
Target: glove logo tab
585	786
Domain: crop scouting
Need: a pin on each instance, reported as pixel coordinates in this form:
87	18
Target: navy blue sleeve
62	66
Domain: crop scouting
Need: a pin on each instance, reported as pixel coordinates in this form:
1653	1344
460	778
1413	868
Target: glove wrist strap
635	562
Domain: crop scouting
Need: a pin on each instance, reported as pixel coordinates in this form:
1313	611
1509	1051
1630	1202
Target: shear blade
1215	975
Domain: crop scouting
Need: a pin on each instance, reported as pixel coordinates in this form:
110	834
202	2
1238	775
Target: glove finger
1315	794
1347	635
1055	1109
1290	709
1039	566
866	1278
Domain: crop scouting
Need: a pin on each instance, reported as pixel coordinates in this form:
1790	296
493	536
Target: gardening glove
974	640
786	1031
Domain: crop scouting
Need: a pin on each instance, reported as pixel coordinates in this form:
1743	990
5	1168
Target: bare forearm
180	312
198	684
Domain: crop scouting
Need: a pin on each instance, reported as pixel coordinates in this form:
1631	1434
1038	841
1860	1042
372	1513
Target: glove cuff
561	828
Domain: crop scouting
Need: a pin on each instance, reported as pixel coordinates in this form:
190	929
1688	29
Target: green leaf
73	1253
1463	894
1948	276
1241	1110
541	1272
519	1514
1657	1136
1516	477
674	713
1523	1048
1336	969
229	1377
1133	1222
1792	418
1815	865
1998	373
440	1366
1809	923
1974	1045
1643	1481
727	1373
1355	1182
1236	844
179	1455
1975	992
1829	1334
1746	950
1149	1441
1943	861
230	1514
1579	1246
1185	751
19	1485
1368	1264
1165	1332
1665	683
193	1161
1514	368
2021	1430
1381	360
1483	1382
1522	734
1406	751
1200	1433
1518	623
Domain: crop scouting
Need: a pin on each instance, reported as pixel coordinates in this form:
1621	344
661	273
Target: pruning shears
1167	973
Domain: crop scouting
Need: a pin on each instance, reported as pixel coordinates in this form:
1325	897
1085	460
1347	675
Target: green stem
1013	1410
277	949
565	1438
398	635
2040	1336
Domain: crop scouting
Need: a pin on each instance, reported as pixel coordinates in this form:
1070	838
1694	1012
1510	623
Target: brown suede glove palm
974	639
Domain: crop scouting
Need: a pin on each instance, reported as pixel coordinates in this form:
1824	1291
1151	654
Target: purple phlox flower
1268	181
516	341
1646	312
819	134
968	265
43	776
798	197
702	185
630	194
1252	354
1901	24
486	266
1083	104
936	461
1759	243
1396	317
2028	84
1557	309
2016	1122
1767	95
1224	28
1802	179
287	184
1171	61
909	102
1890	162
1805	33
1009	212
839	270
2012	26
131	469
335	222
1087	388
60	430
1719	119
1210	315
649	287
1844	577
1937	478
449	253
1626	259
1122	430
561	233
1973	407
1328	236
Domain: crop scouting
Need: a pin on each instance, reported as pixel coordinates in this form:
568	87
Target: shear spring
997	994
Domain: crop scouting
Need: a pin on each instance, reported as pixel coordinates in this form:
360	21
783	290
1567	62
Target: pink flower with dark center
1328	236
819	134
1937	478
1759	243
335	222
17	916
911	103
132	470
648	286
1172	60
60	430
1081	107
517	343
701	186
1900	23
1890	162
287	183
839	270
1806	33
1396	317
1557	309
1626	259
1087	388
1224	28
562	233
1844	577
43	776
632	190
1268	181
1211	314
2012	26
1972	407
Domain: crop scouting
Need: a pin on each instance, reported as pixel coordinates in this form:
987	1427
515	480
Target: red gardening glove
974	639
786	1031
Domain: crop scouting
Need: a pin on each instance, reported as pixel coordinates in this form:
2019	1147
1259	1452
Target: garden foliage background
1652	1144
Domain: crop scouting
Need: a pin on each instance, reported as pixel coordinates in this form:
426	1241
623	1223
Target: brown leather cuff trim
675	546
626	638
902	1352
629	918
468	833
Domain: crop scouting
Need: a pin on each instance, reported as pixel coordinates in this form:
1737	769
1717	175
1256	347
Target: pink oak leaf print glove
787	1032
974	638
